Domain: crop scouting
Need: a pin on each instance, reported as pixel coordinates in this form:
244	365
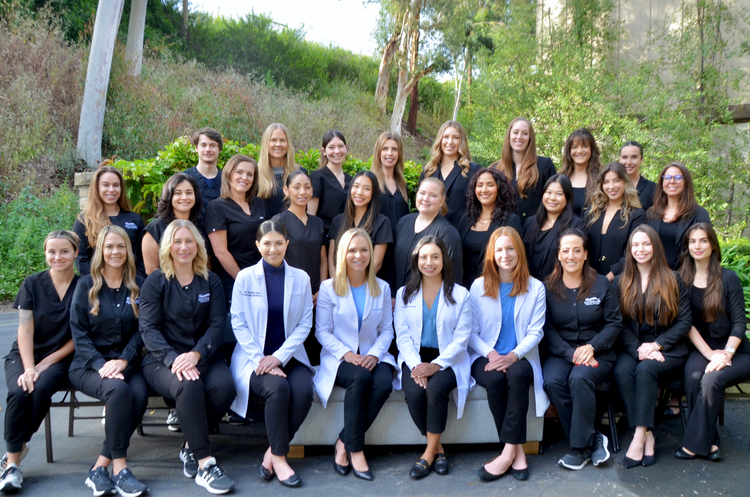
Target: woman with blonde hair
182	318
508	309
275	164
106	365
610	219
527	171
38	361
581	164
355	340
450	162
107	204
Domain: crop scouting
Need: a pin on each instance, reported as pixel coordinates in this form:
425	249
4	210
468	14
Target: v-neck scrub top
330	194
305	241
111	334
381	229
133	225
210	188
394	207
51	315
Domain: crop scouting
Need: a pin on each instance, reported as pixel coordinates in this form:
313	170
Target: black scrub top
305	241
394	206
607	250
133	225
175	319
407	239
275	202
527	207
474	244
673	234
456	185
331	196
224	214
672	337
646	190
208	193
731	322
51	315
381	229
542	253
570	323
111	334
579	198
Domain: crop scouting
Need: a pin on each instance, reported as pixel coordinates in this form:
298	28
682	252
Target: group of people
259	282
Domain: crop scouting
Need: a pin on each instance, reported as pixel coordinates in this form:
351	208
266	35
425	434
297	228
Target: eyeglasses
677	178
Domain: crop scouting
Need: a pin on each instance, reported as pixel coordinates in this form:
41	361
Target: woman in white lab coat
271	317
508	310
433	323
354	325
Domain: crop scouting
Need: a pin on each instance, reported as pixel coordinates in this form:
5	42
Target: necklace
484	221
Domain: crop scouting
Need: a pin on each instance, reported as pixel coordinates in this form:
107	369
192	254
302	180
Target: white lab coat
453	331
529	315
250	316
336	328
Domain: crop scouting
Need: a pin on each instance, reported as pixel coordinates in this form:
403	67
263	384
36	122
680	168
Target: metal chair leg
48	436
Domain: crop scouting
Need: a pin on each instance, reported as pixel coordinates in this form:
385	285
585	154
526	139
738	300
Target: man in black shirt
208	143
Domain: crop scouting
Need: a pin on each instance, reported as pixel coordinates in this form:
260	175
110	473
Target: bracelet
30	369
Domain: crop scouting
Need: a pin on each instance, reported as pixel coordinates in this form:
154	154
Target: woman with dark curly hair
490	203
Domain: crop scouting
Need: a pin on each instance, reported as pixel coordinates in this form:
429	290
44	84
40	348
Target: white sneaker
11	480
213	479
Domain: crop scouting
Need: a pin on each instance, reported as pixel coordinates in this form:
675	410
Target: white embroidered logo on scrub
592	301
131	226
203	298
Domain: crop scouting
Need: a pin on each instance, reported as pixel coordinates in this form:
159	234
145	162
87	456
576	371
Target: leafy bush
24	223
147	177
735	255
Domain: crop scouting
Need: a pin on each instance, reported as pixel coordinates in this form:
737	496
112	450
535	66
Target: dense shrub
24	223
735	255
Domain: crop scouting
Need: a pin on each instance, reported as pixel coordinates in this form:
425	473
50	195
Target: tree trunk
411	121
384	73
108	15
399	104
136	27
184	19
457	85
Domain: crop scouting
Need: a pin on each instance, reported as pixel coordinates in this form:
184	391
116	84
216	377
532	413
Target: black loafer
715	455
420	469
520	474
485	475
293	481
263	472
440	464
681	454
338	468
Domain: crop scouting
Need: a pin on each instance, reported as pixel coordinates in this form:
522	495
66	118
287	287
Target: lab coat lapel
520	299
288	285
440	318
368	302
262	314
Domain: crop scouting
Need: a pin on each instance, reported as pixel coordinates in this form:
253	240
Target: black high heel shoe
649	460
631	463
338	468
364	475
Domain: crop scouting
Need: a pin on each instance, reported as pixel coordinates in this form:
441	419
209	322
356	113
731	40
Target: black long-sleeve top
570	323
133	225
542	253
474	244
111	334
394	207
730	323
175	319
275	335
456	185
646	190
673	246
527	207
407	239
672	337
607	250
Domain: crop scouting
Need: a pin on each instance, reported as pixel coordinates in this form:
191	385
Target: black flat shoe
440	464
520	474
715	455
293	481
338	468
485	475
631	463
681	454
263	472
364	475
420	469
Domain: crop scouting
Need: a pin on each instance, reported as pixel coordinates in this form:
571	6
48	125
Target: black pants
638	383
366	393
705	392
429	407
200	403
125	401
288	400
507	396
571	389
25	411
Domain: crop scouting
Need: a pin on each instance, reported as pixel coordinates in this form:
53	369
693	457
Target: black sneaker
100	482
213	479
576	459
173	422
189	464
127	485
599	450
11	479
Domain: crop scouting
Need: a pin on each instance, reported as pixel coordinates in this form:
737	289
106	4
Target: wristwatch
729	349
658	345
516	354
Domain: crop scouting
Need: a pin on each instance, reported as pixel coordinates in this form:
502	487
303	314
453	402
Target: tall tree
136	28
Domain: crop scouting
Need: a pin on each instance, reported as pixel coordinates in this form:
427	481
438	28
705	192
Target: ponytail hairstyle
327	138
662	294
271	226
128	270
290	179
436	153
93	216
588	275
70	236
713	298
415	277
528	172
435	181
